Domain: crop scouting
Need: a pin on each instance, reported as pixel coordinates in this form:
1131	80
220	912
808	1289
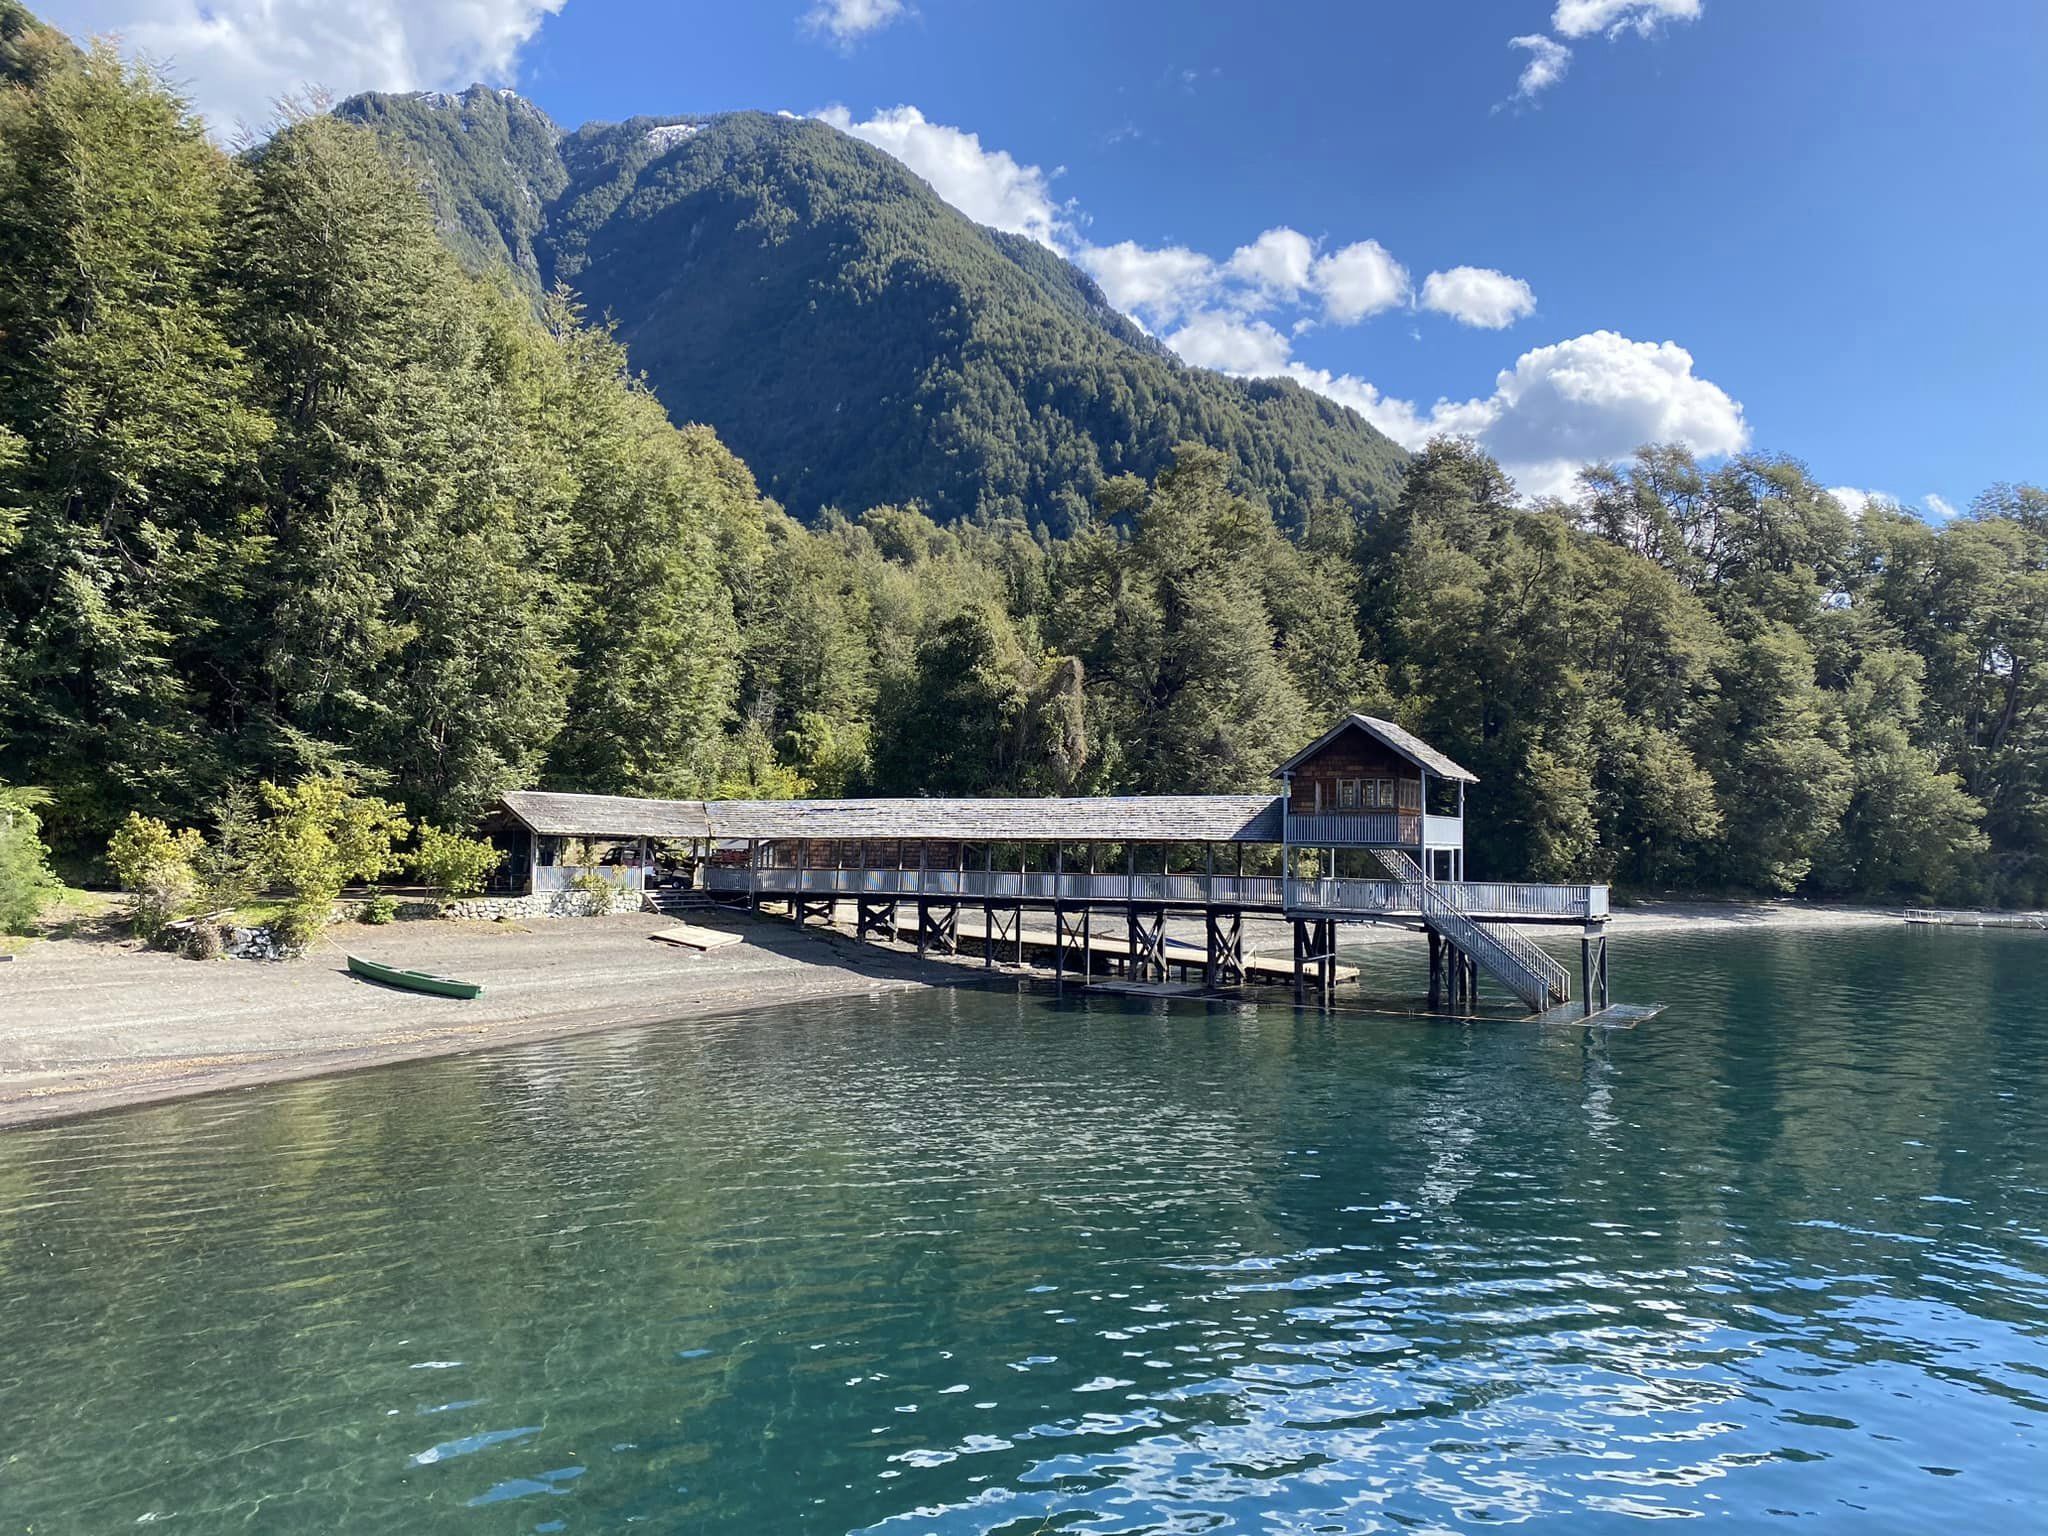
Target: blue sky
1807	227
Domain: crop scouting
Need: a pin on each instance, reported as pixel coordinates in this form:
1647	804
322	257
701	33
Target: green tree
126	410
26	881
153	864
452	863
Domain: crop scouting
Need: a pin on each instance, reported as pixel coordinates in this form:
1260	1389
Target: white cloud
1277	264
847	21
987	185
237	58
1251	348
1548	61
1582	18
1856	502
1595	397
1360	280
1938	507
1478	296
1157	285
1601	396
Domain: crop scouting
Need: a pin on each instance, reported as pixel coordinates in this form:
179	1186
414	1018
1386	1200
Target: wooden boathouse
1368	826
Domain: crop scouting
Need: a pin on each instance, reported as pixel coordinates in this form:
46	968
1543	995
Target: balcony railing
1356	829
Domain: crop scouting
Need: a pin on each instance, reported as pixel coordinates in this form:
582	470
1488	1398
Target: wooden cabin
1367	783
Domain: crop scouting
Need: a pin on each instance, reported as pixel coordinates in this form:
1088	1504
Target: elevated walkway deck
1352	900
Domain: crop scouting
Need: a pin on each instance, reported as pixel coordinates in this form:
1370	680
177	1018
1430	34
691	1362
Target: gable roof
607	815
1391	736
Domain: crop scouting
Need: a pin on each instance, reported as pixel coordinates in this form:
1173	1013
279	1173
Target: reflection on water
978	1263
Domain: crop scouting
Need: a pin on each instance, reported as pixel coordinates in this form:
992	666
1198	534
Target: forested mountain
855	339
286	490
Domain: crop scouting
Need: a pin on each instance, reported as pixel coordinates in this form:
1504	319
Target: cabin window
1347	794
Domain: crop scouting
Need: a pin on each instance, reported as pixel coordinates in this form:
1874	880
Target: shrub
26	884
591	883
154	865
378	911
453	863
321	835
299	924
230	866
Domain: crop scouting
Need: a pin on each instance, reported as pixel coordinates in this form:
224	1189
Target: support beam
938	927
874	917
1223	963
1147	943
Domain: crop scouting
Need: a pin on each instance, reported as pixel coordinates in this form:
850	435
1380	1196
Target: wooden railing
1355	829
1329	897
1503	953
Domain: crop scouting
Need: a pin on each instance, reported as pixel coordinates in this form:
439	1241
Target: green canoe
417	981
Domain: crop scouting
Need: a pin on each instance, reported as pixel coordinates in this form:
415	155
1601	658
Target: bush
154	865
591	884
299	924
26	883
230	866
453	863
321	835
377	911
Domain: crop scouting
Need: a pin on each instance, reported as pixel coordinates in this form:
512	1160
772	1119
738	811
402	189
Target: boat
414	981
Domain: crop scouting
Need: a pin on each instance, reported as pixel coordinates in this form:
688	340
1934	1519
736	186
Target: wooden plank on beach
690	936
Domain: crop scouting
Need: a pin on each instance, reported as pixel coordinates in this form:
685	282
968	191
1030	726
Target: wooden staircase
1525	970
674	903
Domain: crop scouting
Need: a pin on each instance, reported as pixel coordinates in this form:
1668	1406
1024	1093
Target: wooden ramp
1614	1016
1179	990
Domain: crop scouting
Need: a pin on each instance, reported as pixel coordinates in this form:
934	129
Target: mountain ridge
854	338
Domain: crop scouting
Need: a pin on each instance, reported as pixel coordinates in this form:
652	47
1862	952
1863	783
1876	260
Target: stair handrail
1548	976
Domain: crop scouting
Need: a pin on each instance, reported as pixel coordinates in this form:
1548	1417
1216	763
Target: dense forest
856	340
287	488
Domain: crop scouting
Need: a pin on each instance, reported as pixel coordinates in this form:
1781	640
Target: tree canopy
289	494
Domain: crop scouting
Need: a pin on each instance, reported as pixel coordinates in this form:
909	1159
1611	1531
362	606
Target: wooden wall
1353	755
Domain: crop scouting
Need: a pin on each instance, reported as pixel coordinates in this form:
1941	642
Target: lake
983	1262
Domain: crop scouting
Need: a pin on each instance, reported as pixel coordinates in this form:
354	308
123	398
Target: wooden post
1436	970
1059	917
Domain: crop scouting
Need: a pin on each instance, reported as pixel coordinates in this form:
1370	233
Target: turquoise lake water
969	1262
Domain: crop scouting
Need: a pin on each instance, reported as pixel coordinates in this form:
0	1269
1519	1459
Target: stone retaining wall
543	904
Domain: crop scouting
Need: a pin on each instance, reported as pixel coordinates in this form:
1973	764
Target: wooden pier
1368	828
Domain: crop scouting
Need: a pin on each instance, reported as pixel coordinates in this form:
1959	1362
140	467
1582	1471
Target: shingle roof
607	815
1128	818
1112	819
1409	745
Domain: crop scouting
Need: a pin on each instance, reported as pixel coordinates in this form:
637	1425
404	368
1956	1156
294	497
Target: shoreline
96	1025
